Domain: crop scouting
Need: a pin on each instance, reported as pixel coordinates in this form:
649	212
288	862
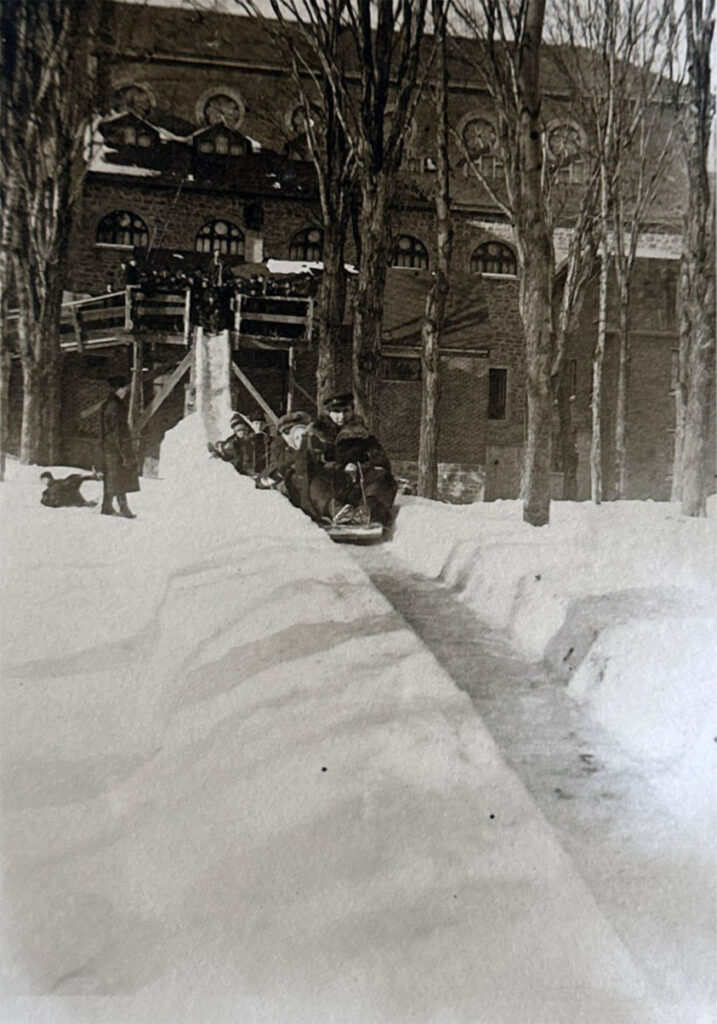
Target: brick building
203	149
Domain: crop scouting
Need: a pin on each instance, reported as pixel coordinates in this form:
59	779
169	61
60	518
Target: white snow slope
236	788
619	599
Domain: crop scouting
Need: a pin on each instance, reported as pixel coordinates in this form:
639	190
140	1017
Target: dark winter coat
119	465
373	483
289	468
240	451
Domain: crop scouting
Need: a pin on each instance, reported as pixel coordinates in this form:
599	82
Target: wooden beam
77	329
256	395
166	391
136	398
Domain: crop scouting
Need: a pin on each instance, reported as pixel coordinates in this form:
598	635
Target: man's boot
124	509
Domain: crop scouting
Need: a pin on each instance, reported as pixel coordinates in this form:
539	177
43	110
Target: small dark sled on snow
353	525
355	533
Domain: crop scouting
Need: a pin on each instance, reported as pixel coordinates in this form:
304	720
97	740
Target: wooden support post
136	390
190	393
187	315
168	388
77	326
128	321
256	395
290	390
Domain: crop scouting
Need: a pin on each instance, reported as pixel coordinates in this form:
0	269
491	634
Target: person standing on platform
119	470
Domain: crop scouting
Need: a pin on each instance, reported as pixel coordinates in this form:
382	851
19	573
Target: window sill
113	245
499	277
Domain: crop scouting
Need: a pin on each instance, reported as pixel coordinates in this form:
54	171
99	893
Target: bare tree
576	274
49	77
697	281
438	294
386	37
510	69
308	35
615	53
365	61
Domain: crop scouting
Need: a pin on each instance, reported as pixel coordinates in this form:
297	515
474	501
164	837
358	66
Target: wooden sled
355	533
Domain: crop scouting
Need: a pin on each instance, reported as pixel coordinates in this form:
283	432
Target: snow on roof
98	163
293	266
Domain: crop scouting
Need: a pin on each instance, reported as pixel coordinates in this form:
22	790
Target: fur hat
338	402
238	420
292	419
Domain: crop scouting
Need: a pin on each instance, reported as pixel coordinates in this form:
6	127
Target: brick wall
173	218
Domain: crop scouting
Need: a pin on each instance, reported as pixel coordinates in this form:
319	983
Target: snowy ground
236	787
619	600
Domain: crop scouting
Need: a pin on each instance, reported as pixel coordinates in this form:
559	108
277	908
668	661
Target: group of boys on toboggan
332	468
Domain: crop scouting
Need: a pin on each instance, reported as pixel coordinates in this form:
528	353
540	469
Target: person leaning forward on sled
287	471
350	476
119	469
238	448
64	492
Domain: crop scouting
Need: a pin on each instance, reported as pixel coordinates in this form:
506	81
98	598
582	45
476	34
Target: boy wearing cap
238	448
349	469
288	467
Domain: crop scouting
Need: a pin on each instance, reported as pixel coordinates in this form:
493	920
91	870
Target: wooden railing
115	316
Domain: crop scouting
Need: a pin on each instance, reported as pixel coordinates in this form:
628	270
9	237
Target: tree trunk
431	387
332	301
623	385
438	294
685	333
697	420
697	340
536	258
40	294
41	398
596	402
5	368
568	450
535	308
368	309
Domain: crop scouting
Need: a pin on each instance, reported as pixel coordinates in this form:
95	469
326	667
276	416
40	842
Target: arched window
221	235
494	258
307	245
122	228
409	252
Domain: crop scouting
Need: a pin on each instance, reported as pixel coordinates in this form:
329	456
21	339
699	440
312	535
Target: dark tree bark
308	34
438	294
49	79
697	292
535	245
511	72
387	37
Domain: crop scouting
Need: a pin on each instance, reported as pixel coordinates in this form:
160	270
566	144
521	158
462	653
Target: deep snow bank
618	597
237	788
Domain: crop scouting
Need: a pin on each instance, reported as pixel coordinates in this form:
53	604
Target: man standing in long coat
119	467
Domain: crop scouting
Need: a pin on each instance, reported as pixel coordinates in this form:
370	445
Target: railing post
128	321
187	317
135	396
